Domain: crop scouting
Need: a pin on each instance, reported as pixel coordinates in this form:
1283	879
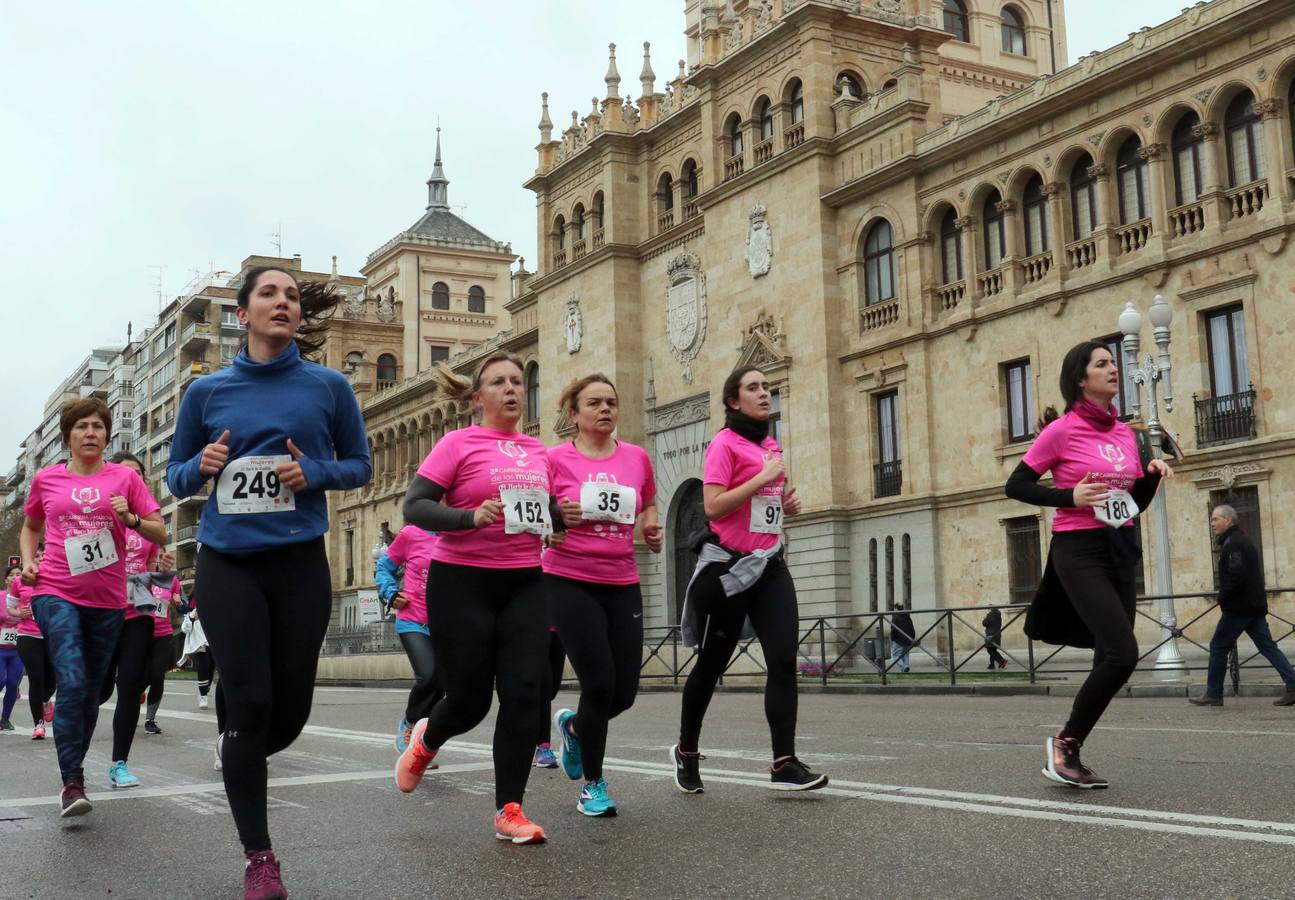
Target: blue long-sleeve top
387	576
263	405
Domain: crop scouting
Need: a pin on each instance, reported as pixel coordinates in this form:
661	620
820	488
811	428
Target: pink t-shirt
732	460
23	594
78	517
600	552
162	618
473	464
412	548
140	553
1070	447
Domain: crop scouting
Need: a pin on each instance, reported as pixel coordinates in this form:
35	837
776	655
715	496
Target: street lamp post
1149	375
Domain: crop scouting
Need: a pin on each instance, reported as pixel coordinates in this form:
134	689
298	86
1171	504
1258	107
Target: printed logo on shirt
517	454
134	542
88	497
1113	455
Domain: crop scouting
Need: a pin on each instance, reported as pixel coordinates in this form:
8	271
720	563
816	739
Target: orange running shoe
511	824
411	764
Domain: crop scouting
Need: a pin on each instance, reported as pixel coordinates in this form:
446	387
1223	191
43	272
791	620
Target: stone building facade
906	211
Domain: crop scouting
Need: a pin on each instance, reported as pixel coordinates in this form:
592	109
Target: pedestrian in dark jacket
1243	606
993	625
902	637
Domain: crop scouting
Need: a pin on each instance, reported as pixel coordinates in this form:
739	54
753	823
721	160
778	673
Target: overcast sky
183	134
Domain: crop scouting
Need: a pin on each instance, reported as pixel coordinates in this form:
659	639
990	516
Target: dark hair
9	571
125	456
1074	369
318	301
76	410
733	384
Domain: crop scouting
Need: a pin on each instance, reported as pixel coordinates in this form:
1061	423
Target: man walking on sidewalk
1243	604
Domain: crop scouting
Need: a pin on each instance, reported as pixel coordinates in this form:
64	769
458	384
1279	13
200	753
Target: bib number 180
1117	509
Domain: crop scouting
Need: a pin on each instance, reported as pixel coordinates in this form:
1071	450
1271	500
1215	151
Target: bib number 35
1117	509
604	502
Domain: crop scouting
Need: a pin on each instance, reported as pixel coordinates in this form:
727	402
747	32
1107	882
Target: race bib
8	635
163	597
1117	509
602	502
249	485
526	511
90	552
766	515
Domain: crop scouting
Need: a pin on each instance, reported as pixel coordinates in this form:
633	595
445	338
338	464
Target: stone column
1213	175
1057	208
971	256
1157	202
1013	246
1276	134
1108	203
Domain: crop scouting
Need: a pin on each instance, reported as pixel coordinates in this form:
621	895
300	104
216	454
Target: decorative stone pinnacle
647	77
613	78
546	124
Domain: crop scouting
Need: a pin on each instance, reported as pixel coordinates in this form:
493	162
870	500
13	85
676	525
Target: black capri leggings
161	663
771	605
426	690
134	655
490	630
602	629
552	684
1101	587
40	674
265	615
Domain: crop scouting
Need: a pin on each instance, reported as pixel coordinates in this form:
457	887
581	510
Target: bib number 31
1117	509
90	552
526	511
250	485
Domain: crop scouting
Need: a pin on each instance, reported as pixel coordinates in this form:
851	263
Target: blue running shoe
594	800
402	735
120	776
572	764
544	758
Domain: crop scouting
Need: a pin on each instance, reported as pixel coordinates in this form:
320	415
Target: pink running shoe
411	764
512	825
261	879
49	710
38	733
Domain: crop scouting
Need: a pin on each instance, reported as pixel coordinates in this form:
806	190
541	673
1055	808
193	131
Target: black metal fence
888	478
1221	420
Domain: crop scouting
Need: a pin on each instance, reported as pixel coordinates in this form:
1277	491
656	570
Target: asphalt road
930	797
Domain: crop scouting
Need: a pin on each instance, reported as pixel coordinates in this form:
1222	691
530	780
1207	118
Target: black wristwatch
138	522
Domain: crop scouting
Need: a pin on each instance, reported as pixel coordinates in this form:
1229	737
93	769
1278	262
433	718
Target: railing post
822	649
953	672
1234	669
1029	645
674	651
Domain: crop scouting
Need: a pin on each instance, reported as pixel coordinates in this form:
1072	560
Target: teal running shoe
120	776
572	764
544	758
594	800
403	731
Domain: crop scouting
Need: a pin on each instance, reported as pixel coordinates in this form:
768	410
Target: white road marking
1223	731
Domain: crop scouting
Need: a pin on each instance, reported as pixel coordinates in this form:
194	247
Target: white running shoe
220	740
202	701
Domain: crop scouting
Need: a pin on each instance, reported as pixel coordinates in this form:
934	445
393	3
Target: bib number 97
766	515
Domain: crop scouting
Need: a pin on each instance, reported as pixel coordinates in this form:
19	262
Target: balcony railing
690	210
888	478
1188	219
764	151
665	221
794	136
1248	200
1037	267
579	248
991	283
196	369
950	295
734	166
559	258
1226	419
599	238
879	315
196	333
187	534
532	428
1081	253
1133	238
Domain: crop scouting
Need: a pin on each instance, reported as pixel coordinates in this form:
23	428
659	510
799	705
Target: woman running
85	509
593	579
412	548
275	432
31	650
549	688
741	573
169	597
1086	598
10	661
488	615
195	651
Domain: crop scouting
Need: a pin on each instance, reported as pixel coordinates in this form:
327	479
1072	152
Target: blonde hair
461	388
570	397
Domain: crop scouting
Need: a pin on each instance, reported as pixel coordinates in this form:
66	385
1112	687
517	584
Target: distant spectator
902	637
993	624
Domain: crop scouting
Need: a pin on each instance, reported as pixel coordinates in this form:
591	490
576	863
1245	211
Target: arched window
955	20
1187	160
1083	198
689	177
386	368
1013	32
440	295
879	264
560	232
950	247
995	232
354	360
597	209
890	572
533	392
665	193
734	132
578	221
1036	218
476	299
853	85
798	103
764	113
872	575
1131	170
1290	110
1245	130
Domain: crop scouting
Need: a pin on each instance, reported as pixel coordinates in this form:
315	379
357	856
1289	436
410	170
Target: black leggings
602	629
552	684
159	665
134	655
426	690
265	615
771	605
204	667
490	630
40	674
1103	594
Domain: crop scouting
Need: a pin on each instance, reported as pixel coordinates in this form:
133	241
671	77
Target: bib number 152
526	511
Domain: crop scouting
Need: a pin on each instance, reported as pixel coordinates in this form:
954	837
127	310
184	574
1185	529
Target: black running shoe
792	775
150	727
686	775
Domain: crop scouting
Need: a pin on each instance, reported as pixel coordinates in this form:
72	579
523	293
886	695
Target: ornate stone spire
546	124
438	186
647	77
613	78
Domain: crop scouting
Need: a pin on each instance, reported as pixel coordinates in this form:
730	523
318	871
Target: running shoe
544	758
1205	700
594	800
49	710
202	701
6	725
120	776
403	731
261	878
73	801
793	775
38	733
150	727
220	745
687	776
413	762
511	824
572	764
1063	765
